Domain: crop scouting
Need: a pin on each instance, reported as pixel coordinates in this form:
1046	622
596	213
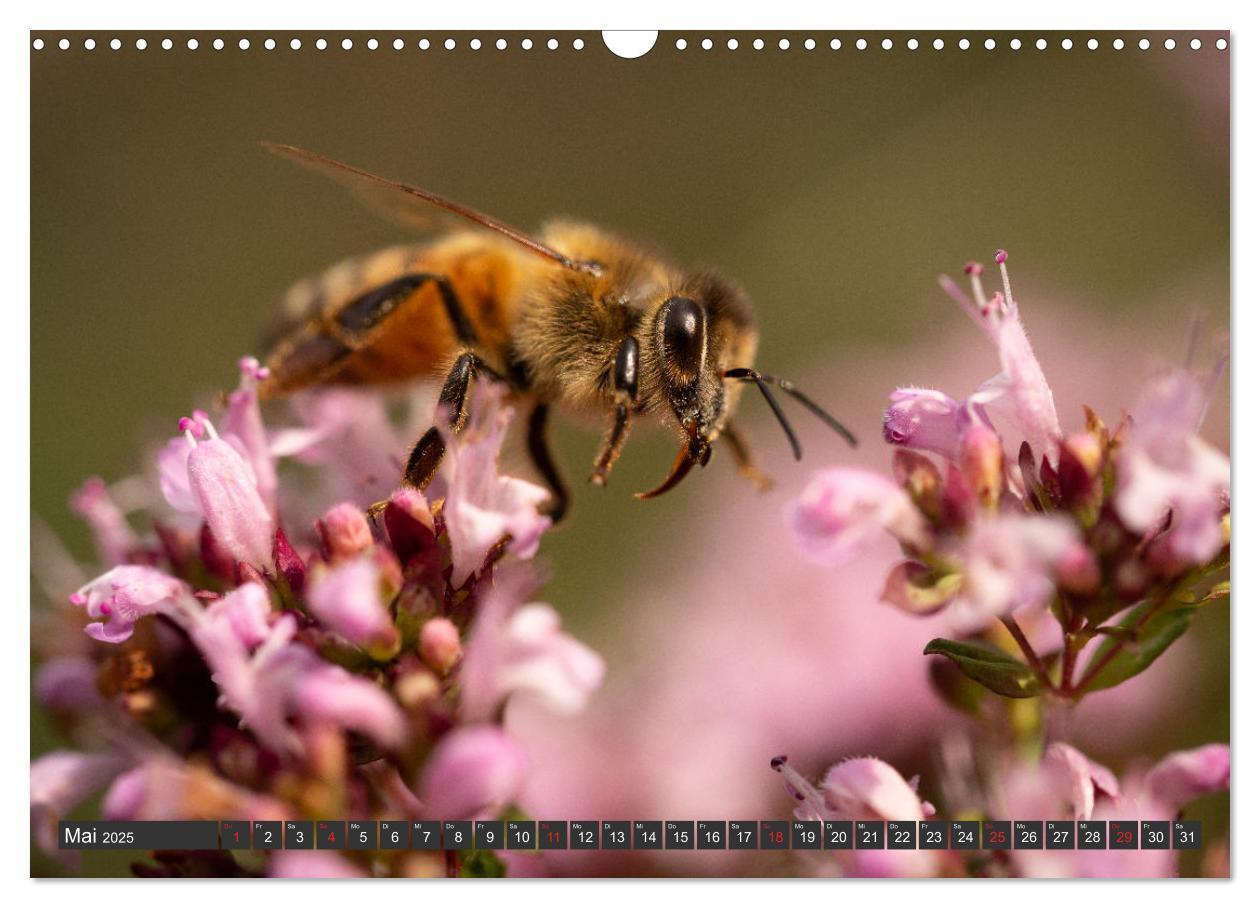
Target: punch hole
1221	44
1170	44
270	44
861	44
141	44
217	44
1195	44
758	43
1041	44
475	44
1118	44
707	44
373	44
38	44
732	44
1144	44
89	44
294	44
990	44
553	44
500	44
1016	44
913	44
629	45
1092	44
810	43
886	44
835	43
167	44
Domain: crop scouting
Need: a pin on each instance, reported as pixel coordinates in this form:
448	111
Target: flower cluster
357	667
1112	538
1060	784
1119	534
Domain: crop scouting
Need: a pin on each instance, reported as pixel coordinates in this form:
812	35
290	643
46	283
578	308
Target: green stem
1115	646
1034	661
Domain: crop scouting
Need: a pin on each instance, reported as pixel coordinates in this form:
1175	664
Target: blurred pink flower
1068	785
124	595
483	507
348	600
1164	465
67	683
440	646
162	787
841	509
61	780
114	538
1009	562
524	651
312	865
243	613
475	770
328	693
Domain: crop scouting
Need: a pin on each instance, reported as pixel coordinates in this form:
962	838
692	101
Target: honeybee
578	320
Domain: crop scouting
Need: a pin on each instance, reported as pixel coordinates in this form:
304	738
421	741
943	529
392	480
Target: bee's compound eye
682	332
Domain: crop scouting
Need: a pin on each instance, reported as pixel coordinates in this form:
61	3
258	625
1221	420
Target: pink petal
925	419
331	694
474	770
60	781
1078	778
348	600
842	510
126	594
312	865
225	489
1181	777
868	788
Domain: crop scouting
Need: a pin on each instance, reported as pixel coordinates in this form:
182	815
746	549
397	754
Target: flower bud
1078	571
980	457
409	523
344	532
440	645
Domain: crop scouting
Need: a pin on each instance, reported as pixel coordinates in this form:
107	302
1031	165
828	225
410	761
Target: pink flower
126	594
348	600
61	780
1010	562
1164	465
474	770
213	480
926	419
524	652
164	788
1077	779
1183	776
115	542
312	865
244	613
843	509
330	694
1017	399
224	487
68	684
243	429
864	788
482	507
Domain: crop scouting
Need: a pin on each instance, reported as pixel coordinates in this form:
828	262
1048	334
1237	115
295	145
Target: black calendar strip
632	835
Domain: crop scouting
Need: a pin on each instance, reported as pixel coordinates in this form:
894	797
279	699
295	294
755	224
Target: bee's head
690	371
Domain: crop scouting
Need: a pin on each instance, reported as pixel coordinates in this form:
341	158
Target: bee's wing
414	207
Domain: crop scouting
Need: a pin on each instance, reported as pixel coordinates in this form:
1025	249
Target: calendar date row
633	835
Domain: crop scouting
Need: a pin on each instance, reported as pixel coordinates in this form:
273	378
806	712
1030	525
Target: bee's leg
744	460
626	390
426	456
540	453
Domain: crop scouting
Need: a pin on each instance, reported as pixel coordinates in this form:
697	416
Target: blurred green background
833	186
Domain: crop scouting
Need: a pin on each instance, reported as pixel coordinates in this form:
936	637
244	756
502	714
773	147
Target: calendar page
691	453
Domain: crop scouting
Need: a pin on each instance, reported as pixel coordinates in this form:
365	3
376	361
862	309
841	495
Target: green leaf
481	864
988	665
1134	654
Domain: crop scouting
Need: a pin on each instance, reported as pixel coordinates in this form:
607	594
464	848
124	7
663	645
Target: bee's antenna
763	381
760	381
